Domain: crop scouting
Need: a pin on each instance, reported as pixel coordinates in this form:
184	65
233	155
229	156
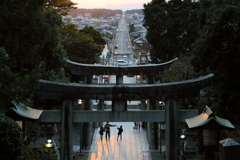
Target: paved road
133	146
122	40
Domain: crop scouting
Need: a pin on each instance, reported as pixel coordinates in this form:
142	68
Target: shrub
11	139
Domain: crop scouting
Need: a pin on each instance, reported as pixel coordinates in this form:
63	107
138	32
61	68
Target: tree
13	85
96	36
80	47
62	6
11	141
182	70
6	78
217	51
30	38
22	34
171	28
53	52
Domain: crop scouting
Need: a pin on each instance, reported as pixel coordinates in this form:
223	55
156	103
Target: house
141	43
129	18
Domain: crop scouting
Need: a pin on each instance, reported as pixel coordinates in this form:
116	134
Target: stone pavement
133	146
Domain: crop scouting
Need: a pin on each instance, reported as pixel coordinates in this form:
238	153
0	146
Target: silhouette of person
107	129
137	124
101	132
120	130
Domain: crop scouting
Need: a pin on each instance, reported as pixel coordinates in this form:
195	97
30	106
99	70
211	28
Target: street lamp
161	105
79	101
50	130
182	139
49	142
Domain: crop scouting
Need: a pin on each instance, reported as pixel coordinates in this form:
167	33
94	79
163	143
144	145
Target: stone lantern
209	128
228	149
190	148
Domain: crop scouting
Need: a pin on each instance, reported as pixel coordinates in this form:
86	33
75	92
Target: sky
111	4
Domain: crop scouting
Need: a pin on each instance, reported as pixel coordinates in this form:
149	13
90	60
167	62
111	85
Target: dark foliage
11	141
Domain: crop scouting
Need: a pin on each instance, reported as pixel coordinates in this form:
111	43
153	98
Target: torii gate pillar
66	140
119	105
152	131
87	130
171	130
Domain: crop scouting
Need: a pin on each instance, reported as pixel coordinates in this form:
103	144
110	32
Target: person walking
137	124
120	130
101	132
107	129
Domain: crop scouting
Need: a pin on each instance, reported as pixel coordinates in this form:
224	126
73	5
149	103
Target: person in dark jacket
120	130
101	132
107	129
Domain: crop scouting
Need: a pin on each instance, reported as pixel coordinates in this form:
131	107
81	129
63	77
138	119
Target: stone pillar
70	129
101	105
143	107
119	105
62	133
66	141
87	128
152	128
152	131
172	139
119	79
100	108
88	79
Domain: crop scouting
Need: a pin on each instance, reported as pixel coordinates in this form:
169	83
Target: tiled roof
25	111
205	117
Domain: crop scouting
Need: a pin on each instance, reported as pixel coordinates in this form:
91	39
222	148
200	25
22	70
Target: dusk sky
111	4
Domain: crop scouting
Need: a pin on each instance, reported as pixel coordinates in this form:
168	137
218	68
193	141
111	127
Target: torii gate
119	93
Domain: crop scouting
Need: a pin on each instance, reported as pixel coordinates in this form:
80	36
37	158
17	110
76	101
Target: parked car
122	62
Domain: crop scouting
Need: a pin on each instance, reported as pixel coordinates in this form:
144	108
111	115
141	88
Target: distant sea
125	7
122	7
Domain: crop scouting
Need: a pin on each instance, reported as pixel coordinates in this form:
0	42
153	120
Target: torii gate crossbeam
54	116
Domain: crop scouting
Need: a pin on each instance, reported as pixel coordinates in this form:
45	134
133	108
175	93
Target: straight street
123	42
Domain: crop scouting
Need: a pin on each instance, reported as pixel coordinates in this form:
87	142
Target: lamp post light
79	101
161	105
182	139
146	102
50	129
80	145
49	142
